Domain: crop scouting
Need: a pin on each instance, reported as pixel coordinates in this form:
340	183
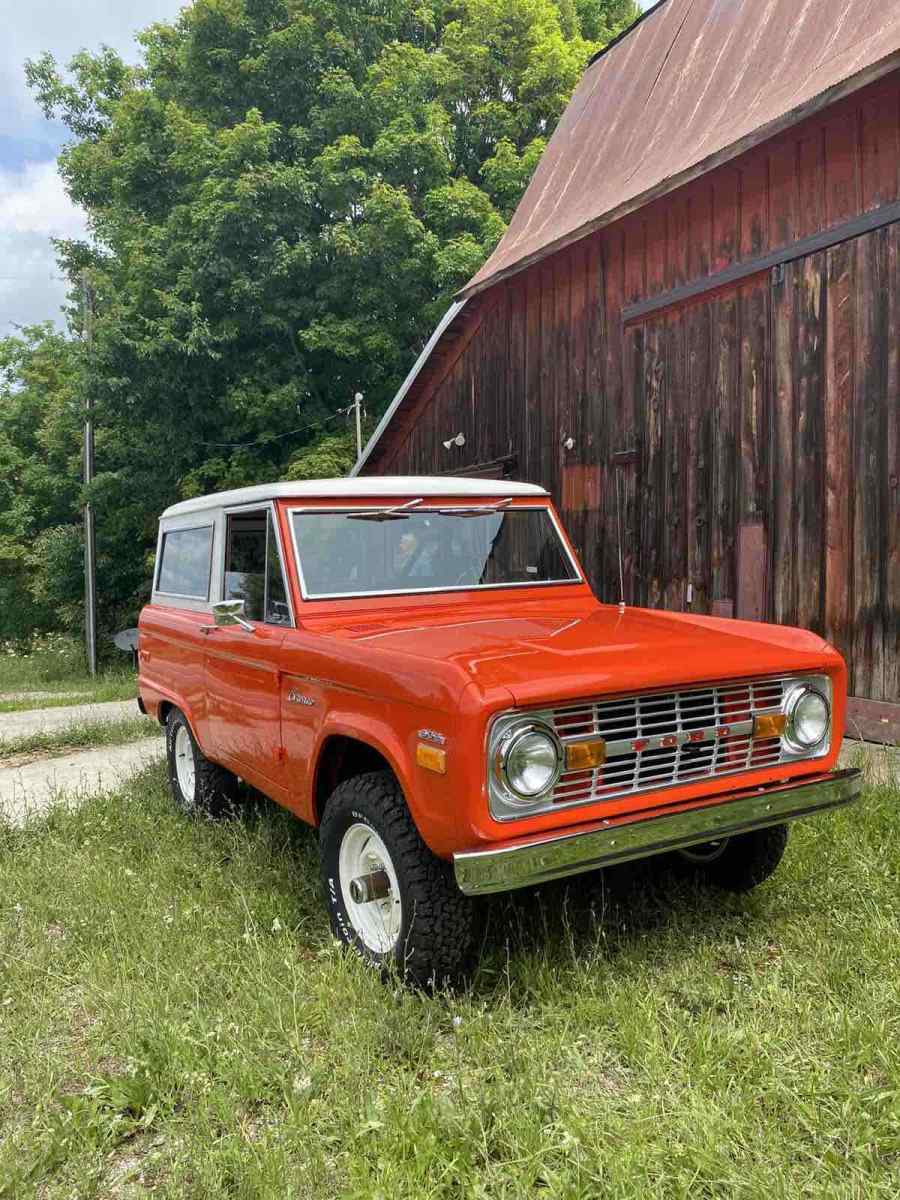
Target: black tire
740	863
215	788
437	922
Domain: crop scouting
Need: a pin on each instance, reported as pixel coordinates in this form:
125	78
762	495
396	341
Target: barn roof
691	84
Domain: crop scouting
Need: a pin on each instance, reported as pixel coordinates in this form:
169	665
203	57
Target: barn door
836	454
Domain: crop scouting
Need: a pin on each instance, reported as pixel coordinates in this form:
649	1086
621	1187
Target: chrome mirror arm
231	612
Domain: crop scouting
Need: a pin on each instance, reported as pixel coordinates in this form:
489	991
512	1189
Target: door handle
208	629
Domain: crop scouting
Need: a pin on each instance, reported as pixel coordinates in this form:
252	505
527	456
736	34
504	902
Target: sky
33	204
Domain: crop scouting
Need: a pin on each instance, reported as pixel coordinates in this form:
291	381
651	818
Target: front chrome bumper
525	861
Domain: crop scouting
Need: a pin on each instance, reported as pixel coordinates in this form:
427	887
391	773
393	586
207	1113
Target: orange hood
542	651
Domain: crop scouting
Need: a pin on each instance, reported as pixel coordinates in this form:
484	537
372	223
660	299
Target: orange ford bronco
418	667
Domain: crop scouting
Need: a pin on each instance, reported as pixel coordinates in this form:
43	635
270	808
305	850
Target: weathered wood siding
764	413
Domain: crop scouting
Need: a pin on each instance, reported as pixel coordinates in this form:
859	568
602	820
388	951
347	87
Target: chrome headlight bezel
507	732
795	693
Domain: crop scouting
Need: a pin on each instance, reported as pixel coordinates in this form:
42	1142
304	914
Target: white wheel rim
184	762
376	923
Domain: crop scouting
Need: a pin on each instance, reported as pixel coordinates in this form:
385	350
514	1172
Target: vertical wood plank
891	599
869	519
700	230
809	465
546	410
574	420
753	414
516	394
811	182
783	220
841	161
839	307
653	482
635	233
879	144
726	217
656	236
608	389
531	467
754	205
673	530
723	458
677	239
625	486
700	407
782	452
595	399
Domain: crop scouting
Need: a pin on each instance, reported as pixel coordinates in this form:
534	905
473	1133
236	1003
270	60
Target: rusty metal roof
691	84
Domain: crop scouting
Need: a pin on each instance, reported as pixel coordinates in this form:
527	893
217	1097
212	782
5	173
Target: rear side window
185	561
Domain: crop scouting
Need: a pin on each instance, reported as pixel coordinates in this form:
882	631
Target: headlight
529	760
809	718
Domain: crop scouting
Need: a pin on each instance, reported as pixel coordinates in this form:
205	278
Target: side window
252	568
184	563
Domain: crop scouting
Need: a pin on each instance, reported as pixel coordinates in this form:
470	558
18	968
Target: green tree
40	442
284	195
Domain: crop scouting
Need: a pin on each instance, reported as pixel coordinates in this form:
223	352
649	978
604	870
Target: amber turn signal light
432	758
585	756
768	725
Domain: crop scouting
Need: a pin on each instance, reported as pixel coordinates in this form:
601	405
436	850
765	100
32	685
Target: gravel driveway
40	720
29	788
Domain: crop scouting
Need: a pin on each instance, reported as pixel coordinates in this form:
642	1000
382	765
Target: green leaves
285	194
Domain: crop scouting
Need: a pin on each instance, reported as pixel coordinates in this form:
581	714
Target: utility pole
90	545
357	404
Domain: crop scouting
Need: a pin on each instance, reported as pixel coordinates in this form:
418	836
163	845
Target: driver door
242	669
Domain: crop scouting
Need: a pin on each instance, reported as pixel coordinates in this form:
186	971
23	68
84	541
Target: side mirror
231	612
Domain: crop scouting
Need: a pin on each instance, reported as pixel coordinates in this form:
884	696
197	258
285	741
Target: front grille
660	739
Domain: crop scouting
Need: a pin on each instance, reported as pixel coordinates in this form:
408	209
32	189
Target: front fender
429	796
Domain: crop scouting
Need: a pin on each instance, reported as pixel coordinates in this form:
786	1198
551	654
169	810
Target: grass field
53	672
175	1018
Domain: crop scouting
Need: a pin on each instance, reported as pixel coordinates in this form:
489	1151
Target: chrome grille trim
657	739
690	735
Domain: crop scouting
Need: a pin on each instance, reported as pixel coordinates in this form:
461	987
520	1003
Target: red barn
690	332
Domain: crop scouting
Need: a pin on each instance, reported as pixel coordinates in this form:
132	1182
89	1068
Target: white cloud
33	203
33	209
63	27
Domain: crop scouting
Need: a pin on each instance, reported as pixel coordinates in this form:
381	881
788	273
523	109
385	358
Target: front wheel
389	898
737	864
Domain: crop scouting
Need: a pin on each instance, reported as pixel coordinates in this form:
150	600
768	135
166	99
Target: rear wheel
737	864
199	786
389	898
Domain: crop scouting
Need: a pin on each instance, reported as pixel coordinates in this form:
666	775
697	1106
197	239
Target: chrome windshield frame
444	509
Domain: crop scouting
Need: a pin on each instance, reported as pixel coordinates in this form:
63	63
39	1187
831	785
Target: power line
341	412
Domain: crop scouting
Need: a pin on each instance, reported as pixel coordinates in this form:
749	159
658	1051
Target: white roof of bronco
412	486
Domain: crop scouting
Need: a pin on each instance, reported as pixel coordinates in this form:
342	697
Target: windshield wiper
475	510
398	512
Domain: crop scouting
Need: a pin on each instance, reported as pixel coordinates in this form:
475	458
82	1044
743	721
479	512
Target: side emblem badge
295	697
432	735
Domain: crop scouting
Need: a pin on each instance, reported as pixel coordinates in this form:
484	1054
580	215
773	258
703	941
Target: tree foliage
284	195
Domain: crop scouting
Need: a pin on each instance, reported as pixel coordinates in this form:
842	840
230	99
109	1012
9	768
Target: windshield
381	551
